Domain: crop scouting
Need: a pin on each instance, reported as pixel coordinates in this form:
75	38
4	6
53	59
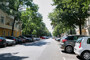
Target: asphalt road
40	50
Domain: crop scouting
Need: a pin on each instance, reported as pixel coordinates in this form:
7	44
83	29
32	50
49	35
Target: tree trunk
80	29
71	31
13	26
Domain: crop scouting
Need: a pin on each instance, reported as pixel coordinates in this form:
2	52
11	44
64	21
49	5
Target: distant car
46	37
2	42
69	42
42	37
26	38
30	37
10	42
82	48
36	39
23	39
57	39
18	40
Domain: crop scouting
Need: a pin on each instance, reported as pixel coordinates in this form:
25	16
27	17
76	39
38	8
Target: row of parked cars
44	37
10	40
80	44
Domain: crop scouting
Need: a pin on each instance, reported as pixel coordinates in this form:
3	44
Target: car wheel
86	55
69	49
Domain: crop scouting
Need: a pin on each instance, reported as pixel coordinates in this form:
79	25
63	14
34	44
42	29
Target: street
48	49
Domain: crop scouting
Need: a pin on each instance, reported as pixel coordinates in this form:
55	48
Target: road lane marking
64	58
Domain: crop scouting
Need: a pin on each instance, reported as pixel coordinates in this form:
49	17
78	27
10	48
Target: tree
72	12
12	7
32	23
31	18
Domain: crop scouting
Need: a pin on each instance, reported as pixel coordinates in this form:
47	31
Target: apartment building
85	28
6	22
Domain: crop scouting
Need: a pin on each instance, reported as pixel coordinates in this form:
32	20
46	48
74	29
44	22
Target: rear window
29	36
88	41
73	37
70	38
79	40
10	37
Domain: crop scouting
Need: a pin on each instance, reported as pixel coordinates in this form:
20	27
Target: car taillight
0	39
64	40
80	45
13	39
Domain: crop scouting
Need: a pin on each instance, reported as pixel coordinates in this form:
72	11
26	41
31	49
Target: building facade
85	28
6	22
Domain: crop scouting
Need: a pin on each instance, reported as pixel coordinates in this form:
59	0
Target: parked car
42	37
30	37
26	38
82	48
18	40
2	42
10	42
69	42
57	39
36	39
23	39
12	38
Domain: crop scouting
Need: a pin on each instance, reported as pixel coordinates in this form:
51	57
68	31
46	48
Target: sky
45	8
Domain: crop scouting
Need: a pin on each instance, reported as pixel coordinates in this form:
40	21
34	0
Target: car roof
86	37
77	35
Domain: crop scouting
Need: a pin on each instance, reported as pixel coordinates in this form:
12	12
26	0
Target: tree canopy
70	13
27	12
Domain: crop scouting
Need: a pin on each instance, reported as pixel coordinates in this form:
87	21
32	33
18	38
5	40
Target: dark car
18	40
26	38
68	42
42	37
30	37
22	39
2	42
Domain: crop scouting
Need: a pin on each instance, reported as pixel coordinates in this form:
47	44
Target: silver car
10	42
68	42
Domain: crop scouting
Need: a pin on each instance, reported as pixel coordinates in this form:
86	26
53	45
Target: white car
82	48
57	39
10	42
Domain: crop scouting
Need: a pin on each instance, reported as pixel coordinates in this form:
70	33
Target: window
8	33
75	38
3	33
2	19
79	40
16	34
88	41
70	38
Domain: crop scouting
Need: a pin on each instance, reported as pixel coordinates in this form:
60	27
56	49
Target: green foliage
32	23
32	20
70	13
